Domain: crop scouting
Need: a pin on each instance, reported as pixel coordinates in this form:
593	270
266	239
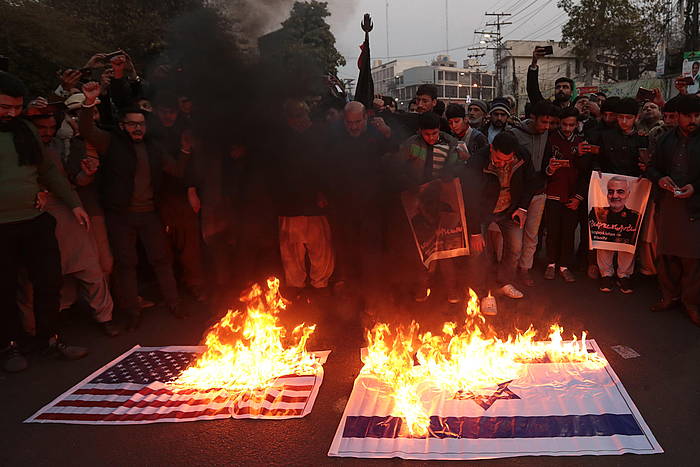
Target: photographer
563	87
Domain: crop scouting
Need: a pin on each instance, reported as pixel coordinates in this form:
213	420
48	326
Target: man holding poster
618	154
617	205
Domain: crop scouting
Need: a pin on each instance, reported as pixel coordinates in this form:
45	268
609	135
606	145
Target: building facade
401	79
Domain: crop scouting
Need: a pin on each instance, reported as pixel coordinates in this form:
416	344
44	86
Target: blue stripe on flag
554	426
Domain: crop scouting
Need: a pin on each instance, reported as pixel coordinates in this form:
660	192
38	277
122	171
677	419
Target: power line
541	33
524	8
525	21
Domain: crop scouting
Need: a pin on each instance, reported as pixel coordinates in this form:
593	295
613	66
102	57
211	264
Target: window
450	76
441	75
463	92
487	94
450	91
486	80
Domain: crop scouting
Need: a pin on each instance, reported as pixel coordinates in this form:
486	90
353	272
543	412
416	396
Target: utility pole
692	42
499	44
388	57
447	30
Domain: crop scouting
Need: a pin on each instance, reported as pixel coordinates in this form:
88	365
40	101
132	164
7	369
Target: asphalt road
664	382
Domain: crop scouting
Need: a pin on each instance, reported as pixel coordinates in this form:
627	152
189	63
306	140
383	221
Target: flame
248	351
462	358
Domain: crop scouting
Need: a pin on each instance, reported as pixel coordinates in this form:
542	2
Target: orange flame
248	351
462	358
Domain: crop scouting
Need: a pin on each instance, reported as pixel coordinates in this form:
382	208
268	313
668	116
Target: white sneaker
510	291
488	306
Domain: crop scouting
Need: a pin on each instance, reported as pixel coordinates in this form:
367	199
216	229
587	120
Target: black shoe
625	284
109	329
61	349
12	360
665	305
607	284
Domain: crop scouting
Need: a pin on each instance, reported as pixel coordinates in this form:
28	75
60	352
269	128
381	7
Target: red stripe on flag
87	417
268	412
106	392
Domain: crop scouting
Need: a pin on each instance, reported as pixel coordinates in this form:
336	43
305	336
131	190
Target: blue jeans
512	245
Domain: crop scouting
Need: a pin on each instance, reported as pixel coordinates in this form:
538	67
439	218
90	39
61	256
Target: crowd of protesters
108	173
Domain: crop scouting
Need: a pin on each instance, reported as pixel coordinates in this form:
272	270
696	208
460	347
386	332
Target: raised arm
533	85
97	137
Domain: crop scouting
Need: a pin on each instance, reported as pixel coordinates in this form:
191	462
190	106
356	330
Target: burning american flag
248	368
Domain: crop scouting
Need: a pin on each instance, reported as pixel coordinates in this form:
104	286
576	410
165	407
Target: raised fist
91	90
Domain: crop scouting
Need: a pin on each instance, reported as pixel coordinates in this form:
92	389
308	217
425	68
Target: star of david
502	392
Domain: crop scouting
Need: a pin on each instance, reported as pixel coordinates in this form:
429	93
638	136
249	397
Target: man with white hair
355	186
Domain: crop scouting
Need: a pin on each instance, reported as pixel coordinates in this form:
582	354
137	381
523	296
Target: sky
417	27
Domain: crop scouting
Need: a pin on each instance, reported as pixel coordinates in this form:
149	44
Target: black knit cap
455	111
627	106
610	104
688	104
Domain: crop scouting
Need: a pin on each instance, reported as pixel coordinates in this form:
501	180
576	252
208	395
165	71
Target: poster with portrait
691	68
616	206
437	219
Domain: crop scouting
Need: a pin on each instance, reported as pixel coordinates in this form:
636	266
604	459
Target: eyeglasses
134	124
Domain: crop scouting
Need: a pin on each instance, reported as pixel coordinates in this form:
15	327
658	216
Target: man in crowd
27	236
618	153
422	158
79	257
477	113
563	87
649	118
355	154
426	100
181	222
567	167
460	128
129	181
302	202
675	169
499	113
505	188
532	135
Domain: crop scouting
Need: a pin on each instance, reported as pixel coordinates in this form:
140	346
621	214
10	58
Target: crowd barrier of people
108	174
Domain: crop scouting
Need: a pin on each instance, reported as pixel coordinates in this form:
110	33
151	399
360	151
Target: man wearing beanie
618	153
563	87
460	128
477	112
499	112
429	155
675	168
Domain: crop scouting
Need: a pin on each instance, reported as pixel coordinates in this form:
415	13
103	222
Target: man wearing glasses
128	180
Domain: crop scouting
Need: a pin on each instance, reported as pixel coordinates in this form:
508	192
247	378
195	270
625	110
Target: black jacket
482	187
662	161
115	178
619	153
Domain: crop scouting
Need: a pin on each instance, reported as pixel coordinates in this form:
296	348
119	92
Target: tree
137	26
628	30
39	40
309	38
